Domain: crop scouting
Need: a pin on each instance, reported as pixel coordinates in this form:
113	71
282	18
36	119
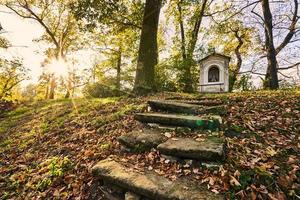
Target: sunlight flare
59	67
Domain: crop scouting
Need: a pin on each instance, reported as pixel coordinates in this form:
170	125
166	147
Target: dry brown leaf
234	181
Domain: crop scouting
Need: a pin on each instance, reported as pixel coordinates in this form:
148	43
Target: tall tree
148	54
233	38
269	44
116	28
12	73
61	28
189	37
281	23
188	17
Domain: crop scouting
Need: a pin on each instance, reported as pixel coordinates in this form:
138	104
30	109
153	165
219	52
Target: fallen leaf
234	181
168	135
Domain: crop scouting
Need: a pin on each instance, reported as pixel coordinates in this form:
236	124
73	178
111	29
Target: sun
59	67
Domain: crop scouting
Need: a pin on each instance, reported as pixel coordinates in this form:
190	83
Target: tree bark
47	91
195	31
286	40
234	73
272	76
119	63
52	87
182	33
187	62
147	55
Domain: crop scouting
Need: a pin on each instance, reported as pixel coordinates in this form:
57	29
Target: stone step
206	102
166	128
179	107
149	184
211	122
140	141
212	149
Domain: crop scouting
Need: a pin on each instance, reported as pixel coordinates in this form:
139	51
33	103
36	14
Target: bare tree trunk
147	56
47	91
272	76
195	32
234	73
52	86
69	85
119	63
182	33
188	61
292	30
67	95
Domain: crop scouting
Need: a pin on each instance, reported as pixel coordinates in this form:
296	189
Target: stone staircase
184	119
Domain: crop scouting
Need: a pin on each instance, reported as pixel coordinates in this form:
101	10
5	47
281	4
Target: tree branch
289	67
292	28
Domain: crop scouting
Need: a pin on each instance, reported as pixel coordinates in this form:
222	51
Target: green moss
26	143
246	179
140	148
43	184
218	110
263	177
105	146
5	145
19	111
44	127
237	128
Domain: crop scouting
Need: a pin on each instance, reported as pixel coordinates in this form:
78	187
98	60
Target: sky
20	33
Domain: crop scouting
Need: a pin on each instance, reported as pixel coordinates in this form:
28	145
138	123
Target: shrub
99	90
6	106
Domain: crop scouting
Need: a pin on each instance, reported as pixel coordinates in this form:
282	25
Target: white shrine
214	75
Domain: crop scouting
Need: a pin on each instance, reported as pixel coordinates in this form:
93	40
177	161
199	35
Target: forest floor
47	148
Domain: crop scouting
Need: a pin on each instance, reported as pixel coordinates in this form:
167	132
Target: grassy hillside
47	148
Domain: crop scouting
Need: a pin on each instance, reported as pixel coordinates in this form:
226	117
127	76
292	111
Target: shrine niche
214	75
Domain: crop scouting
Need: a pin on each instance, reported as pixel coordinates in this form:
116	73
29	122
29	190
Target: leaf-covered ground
47	148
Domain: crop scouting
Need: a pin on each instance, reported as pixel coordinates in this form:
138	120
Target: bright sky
20	33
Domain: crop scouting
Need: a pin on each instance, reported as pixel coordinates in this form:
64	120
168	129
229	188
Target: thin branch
289	67
284	75
292	29
35	17
238	12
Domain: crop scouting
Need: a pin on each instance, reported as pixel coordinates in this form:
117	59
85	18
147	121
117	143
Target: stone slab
138	141
208	150
151	185
204	102
132	196
180	107
165	128
210	122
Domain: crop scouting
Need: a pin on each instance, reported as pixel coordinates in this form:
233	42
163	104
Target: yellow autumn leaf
270	151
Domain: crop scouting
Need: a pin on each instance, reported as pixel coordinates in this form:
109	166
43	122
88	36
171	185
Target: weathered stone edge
173	194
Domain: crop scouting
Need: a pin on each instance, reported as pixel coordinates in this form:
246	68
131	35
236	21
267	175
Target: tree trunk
47	91
234	73
286	40
182	34
119	63
147	55
187	74
52	87
67	94
271	80
69	84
